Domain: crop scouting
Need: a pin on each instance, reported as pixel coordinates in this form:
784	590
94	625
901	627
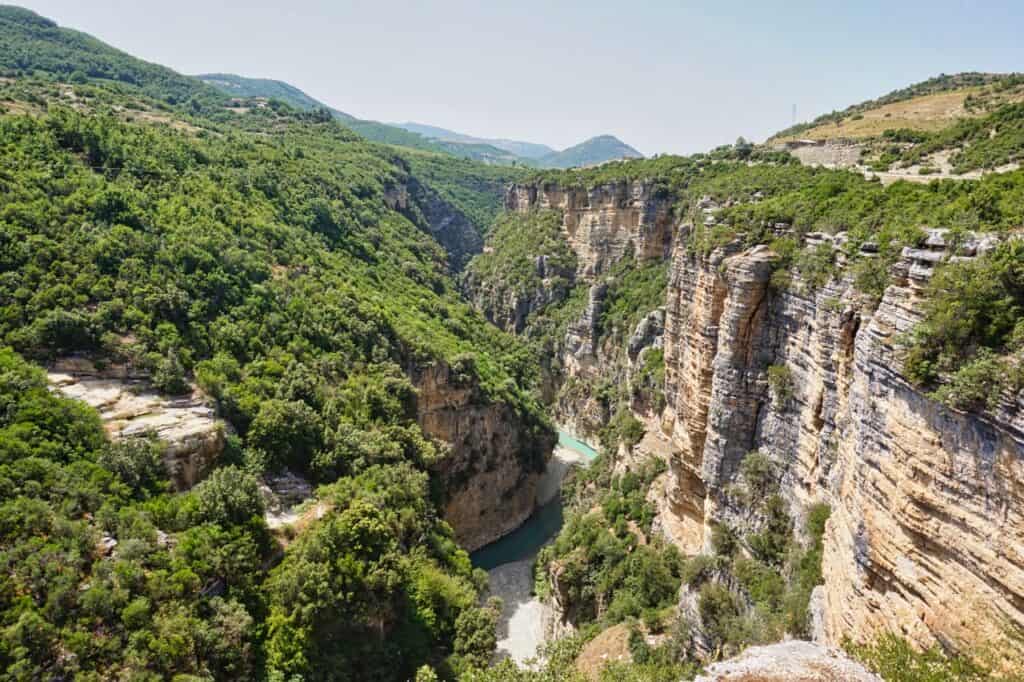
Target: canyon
926	535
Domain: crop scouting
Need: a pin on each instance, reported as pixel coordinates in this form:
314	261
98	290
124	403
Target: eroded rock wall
927	533
604	223
186	425
926	537
494	457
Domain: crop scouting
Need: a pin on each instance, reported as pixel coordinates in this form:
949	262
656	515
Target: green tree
229	496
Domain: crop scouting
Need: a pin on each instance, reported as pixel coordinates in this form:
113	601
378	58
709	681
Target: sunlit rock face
926	537
605	223
602	225
192	435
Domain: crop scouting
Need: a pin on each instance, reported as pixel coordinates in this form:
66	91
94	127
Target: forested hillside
265	89
288	269
384	324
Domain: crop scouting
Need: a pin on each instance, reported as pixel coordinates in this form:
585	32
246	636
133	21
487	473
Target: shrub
893	658
718	609
288	431
780	381
977	385
136	461
230	496
759	474
770	544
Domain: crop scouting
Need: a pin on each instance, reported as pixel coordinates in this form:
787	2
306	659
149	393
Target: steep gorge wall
926	535
604	223
449	226
494	461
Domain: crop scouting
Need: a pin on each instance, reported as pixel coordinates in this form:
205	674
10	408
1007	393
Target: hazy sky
663	76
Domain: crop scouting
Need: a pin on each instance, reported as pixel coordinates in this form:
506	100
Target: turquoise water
524	542
567	441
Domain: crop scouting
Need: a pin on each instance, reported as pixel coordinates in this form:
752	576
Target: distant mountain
31	44
527	150
592	152
240	86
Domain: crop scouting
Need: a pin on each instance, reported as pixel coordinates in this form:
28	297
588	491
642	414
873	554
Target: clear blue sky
663	76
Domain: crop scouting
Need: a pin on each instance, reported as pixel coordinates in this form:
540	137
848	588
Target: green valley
288	395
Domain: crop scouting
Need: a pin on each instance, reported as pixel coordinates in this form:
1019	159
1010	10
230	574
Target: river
509	560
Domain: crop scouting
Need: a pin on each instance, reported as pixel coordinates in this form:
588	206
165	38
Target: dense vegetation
973	330
477	190
270	271
248	88
178	592
634	290
526	259
262	88
30	44
609	568
259	252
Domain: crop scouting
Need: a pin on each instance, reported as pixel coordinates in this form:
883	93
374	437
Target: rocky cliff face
605	223
192	436
494	461
926	537
602	225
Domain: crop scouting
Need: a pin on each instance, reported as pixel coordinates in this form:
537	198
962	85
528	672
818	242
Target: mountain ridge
592	151
528	150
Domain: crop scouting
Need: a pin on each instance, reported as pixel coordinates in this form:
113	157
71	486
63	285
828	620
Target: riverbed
509	560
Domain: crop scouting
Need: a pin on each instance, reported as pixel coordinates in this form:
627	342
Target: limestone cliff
192	436
606	222
625	221
926	537
494	456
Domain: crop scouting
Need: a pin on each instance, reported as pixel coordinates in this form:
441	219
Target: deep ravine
509	560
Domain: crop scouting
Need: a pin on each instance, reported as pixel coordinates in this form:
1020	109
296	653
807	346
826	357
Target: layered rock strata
926	537
605	223
494	457
193	437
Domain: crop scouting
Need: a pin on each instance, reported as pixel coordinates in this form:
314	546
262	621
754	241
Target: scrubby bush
229	496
